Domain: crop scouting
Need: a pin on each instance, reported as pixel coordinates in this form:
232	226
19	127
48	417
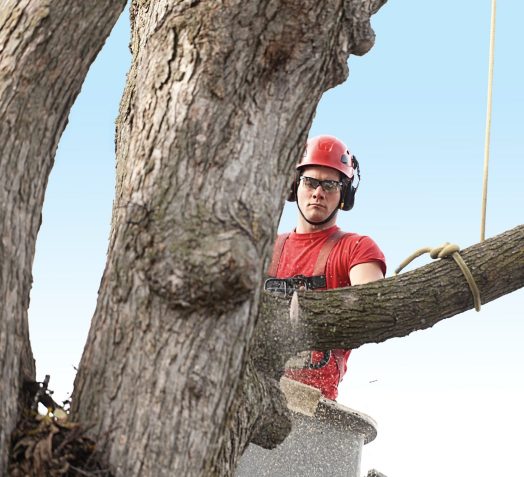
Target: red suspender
320	265
277	252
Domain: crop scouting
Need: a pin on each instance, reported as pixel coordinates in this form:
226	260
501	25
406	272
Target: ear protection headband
347	194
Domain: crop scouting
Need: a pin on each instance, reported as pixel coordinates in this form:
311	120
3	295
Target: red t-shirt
298	257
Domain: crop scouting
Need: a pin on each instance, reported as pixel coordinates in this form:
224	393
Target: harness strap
320	266
277	252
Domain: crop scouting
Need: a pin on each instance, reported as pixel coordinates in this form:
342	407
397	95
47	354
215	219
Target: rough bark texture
46	48
394	307
217	107
259	414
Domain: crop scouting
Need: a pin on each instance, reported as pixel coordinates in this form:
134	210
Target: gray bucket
326	439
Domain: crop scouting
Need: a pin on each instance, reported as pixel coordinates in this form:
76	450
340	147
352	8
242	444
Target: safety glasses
327	185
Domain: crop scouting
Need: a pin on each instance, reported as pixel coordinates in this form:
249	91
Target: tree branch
394	307
46	48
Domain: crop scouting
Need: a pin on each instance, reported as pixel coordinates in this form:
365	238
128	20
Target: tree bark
259	414
217	107
46	48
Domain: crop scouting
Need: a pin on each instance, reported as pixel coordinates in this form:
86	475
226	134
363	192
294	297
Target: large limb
393	307
46	48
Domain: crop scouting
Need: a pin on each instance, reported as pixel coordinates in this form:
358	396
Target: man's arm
365	273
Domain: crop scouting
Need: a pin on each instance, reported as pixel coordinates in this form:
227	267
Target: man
318	255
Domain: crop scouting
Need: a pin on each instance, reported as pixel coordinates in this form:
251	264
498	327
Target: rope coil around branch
445	251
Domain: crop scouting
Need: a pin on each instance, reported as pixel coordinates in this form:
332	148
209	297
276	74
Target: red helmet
328	151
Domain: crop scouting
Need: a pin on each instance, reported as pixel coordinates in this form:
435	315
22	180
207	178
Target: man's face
317	204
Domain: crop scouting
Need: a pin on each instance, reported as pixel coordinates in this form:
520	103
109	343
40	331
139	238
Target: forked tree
182	361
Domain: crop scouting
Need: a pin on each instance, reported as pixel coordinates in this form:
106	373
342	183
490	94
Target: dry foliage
51	445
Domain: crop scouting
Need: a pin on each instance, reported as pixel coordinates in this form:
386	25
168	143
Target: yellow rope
444	251
488	120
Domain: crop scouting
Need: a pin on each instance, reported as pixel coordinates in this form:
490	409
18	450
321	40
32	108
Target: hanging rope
488	121
444	251
452	250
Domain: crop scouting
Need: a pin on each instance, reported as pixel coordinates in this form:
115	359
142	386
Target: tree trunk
46	48
217	107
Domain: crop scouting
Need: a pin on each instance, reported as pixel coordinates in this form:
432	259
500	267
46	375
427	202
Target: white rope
488	120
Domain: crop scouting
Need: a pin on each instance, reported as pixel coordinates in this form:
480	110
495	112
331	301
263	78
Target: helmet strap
322	222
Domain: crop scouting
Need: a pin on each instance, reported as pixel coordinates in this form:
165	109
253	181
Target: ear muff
349	191
348	197
292	194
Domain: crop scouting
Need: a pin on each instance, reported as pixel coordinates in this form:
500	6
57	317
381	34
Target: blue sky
447	400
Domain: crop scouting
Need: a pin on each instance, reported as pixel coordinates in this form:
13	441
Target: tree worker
317	254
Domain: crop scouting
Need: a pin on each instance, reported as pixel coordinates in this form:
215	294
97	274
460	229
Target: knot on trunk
361	35
217	270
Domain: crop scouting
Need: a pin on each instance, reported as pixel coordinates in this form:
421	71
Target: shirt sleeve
364	250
